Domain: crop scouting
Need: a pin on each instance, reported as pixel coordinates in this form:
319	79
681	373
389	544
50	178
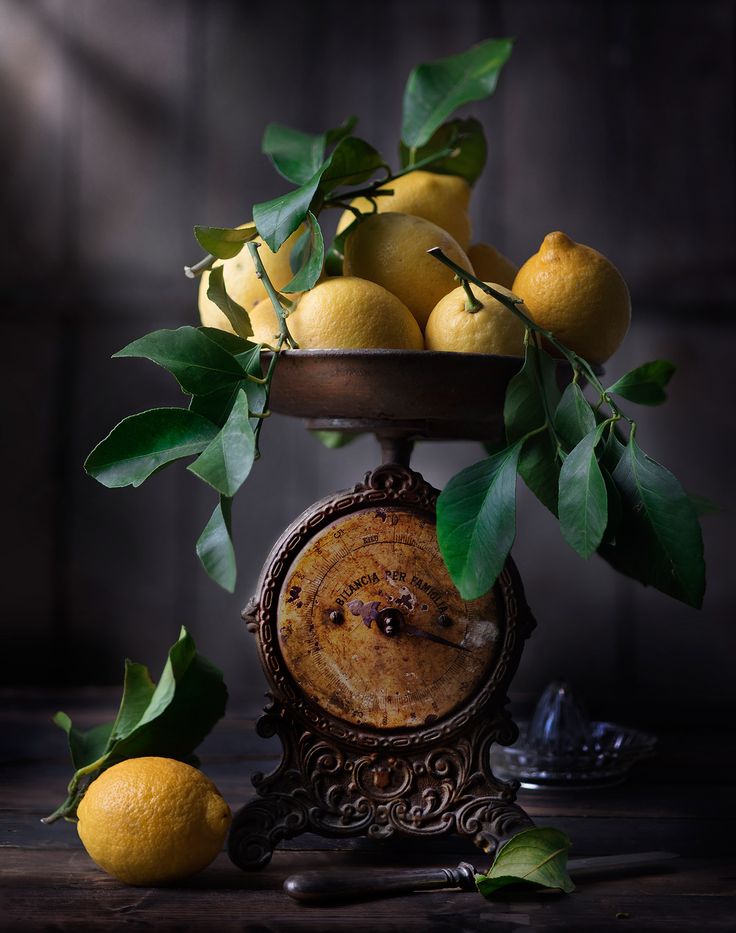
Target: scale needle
420	633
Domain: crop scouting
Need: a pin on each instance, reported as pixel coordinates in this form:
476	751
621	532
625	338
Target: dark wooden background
124	122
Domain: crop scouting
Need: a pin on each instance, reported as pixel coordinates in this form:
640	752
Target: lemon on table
441	199
151	821
492	328
391	250
492	266
576	293
351	313
241	282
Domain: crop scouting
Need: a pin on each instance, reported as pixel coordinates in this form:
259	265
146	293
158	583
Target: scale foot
260	826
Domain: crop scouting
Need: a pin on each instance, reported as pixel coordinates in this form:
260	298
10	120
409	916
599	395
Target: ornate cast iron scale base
388	690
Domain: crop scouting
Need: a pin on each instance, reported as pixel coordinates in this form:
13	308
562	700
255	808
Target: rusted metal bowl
400	393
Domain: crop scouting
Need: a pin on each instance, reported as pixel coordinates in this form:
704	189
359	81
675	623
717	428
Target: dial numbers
372	628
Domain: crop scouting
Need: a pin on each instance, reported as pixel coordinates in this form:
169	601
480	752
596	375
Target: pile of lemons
392	294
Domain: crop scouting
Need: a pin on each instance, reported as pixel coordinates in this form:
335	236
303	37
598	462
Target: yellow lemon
151	821
391	250
351	313
442	199
576	293
492	266
492	328
241	282
265	324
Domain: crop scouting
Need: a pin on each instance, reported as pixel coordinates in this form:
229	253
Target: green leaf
198	363
352	162
215	547
574	417
279	218
703	505
138	689
142	443
335	439
84	747
224	242
537	856
307	257
614	506
524	409
658	541
583	501
296	155
476	521
237	316
228	459
167	720
436	89
645	384
539	467
216	406
468	142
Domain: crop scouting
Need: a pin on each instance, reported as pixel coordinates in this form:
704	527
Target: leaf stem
191	272
273	295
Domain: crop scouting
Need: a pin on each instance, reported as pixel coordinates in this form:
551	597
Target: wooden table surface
681	800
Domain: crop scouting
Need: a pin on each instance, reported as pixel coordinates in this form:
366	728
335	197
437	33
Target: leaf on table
141	444
573	417
583	500
535	856
215	547
224	242
198	363
226	462
307	258
658	541
469	150
436	89
476	522
297	155
168	719
238	316
645	385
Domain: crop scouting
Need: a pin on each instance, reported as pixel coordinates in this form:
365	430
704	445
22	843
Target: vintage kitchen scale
388	689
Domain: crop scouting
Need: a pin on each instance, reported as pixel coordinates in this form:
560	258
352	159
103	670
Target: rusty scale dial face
372	628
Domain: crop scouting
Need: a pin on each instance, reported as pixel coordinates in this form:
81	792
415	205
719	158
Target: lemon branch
273	295
578	363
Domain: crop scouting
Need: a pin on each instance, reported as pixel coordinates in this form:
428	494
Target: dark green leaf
237	316
168	720
216	406
539	467
142	443
215	547
138	689
645	384
224	242
476	522
524	408
436	89
469	150
307	258
614	507
296	155
279	218
583	502
228	459
198	363
87	747
537	856
703	505
658	541
230	342
352	162
574	417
